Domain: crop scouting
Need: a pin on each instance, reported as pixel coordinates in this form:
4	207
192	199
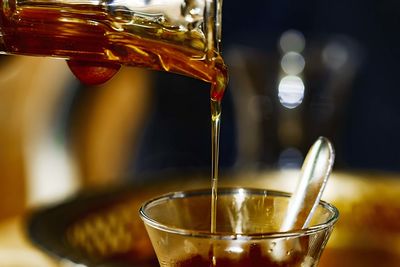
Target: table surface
17	250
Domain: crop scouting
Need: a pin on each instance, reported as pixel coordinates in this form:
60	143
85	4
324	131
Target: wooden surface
367	234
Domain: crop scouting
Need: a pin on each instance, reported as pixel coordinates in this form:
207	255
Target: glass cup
247	233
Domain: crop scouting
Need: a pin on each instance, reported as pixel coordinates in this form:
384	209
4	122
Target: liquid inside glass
247	230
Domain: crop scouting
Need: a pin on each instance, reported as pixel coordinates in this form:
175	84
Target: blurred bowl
103	228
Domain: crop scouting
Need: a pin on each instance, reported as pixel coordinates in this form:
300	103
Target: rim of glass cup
231	236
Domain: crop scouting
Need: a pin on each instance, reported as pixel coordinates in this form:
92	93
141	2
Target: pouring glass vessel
180	36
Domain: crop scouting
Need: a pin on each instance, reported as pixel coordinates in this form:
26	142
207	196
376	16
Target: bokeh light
291	91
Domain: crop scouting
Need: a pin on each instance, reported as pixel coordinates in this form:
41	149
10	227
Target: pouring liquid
109	34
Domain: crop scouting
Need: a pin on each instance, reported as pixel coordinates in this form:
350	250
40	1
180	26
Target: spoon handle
315	172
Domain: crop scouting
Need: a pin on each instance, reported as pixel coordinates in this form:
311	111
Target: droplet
93	73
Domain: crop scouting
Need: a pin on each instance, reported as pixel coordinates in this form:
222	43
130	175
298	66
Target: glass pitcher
180	36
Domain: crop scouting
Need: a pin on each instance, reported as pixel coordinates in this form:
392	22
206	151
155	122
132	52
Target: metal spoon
315	172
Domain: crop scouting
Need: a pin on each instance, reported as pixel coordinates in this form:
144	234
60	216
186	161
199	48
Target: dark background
363	126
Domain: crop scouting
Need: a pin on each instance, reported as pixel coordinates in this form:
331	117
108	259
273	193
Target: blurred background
298	70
